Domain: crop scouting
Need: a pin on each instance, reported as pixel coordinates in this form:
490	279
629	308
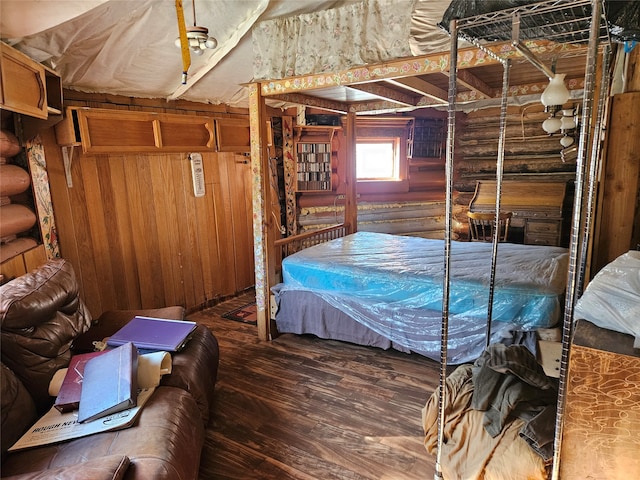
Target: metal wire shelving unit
575	22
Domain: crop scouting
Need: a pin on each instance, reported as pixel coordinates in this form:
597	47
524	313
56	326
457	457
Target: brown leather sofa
44	322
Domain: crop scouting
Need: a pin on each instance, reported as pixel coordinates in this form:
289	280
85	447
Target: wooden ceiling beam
472	82
310	101
421	87
386	93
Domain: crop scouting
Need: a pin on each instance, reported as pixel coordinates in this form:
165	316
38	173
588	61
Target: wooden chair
481	226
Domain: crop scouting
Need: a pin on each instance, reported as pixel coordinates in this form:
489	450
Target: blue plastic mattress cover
390	282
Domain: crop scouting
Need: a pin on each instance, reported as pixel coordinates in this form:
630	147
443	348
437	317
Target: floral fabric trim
42	196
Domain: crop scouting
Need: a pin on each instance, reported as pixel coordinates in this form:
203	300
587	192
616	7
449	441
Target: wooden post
621	180
290	178
350	201
263	224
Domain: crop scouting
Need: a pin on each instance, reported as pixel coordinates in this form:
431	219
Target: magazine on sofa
56	427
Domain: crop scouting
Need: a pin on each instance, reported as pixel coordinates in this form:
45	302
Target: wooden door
235	201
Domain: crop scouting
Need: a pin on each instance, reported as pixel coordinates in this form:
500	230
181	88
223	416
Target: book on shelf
149	333
110	383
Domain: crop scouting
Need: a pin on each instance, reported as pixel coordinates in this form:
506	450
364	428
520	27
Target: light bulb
211	43
196	51
556	92
551	125
566	141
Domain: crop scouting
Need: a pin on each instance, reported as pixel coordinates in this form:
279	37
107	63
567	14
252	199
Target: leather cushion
40	314
165	444
195	369
112	467
17	408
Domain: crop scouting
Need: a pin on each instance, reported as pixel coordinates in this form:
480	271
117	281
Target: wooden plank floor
304	408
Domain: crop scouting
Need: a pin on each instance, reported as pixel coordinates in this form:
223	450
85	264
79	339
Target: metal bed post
572	274
506	64
444	338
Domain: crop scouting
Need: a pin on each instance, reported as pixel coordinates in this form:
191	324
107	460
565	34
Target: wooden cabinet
542	231
601	432
233	135
314	155
113	131
23	84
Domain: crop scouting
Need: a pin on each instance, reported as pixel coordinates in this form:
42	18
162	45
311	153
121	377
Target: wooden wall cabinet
113	131
233	135
427	139
23	84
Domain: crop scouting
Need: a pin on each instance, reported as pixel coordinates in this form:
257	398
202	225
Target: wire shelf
560	21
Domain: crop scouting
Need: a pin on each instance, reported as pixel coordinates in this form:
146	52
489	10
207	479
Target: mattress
393	285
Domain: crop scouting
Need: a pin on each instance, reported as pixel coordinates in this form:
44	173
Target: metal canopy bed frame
560	21
578	21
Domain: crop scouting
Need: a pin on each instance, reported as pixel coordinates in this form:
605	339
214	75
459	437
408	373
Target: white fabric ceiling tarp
126	47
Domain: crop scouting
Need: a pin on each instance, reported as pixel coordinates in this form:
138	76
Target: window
378	159
381	154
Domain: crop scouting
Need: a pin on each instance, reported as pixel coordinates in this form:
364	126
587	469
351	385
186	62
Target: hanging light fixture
553	98
556	93
198	37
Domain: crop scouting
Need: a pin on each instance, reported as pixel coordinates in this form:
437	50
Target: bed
386	291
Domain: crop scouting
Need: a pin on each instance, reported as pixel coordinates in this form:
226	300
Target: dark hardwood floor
304	408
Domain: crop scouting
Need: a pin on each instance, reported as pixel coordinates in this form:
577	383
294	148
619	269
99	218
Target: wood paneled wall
139	238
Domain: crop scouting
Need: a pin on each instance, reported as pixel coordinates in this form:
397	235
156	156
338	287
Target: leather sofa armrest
111	321
112	467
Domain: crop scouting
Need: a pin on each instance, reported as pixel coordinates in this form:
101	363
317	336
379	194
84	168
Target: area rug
244	314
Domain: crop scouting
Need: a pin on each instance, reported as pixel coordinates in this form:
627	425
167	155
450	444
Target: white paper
151	367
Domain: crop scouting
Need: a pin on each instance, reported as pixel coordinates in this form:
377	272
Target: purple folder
149	333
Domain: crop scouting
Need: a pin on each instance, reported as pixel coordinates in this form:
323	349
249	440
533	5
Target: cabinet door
109	131
233	135
180	134
23	84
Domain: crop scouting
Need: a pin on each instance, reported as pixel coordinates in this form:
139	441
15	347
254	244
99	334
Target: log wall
530	153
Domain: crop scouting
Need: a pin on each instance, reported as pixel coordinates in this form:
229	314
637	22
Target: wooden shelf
314	154
314	133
